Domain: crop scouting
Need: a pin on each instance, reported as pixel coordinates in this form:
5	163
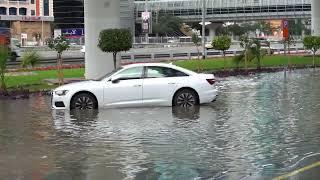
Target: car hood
79	85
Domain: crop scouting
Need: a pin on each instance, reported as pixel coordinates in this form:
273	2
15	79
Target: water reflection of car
149	84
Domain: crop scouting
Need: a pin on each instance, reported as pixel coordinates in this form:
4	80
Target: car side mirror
115	79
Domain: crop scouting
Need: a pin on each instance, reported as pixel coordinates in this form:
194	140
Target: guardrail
133	57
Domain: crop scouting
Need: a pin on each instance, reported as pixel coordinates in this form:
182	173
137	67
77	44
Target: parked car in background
12	43
83	49
208	45
149	84
265	45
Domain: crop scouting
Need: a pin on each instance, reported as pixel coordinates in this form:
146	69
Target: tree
255	49
287	42
167	25
197	42
59	44
312	43
296	27
4	55
245	43
37	36
237	30
114	41
222	43
30	58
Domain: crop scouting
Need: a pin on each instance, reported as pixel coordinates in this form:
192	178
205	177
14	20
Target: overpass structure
227	10
101	15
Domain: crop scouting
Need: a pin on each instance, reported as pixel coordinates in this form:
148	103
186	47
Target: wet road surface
260	127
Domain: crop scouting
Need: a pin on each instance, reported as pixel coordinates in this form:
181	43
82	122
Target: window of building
23	11
3	11
12	11
33	12
46	7
32	1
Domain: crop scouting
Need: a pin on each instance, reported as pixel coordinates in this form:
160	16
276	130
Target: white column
99	15
315	6
212	30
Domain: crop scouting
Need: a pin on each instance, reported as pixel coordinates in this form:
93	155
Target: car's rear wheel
185	98
83	101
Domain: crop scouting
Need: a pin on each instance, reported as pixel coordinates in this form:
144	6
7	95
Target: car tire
185	98
83	101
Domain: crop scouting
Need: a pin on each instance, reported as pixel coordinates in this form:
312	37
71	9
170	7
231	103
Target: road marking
286	176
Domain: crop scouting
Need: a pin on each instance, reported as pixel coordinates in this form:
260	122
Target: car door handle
172	83
137	85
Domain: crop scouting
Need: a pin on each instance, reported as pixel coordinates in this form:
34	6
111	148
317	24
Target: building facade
69	19
69	14
29	20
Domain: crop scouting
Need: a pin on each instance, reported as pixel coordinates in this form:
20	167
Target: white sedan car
149	84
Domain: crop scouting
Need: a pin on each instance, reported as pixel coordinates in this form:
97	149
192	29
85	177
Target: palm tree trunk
3	86
115	60
224	61
259	64
313	60
245	60
289	62
59	66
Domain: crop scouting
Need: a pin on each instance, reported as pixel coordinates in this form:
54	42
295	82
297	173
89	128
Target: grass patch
215	64
35	82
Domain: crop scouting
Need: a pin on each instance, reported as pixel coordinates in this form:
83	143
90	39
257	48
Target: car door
126	90
159	85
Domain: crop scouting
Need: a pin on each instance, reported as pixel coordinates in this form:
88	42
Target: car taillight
211	81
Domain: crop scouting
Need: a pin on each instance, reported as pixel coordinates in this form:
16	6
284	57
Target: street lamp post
203	29
147	33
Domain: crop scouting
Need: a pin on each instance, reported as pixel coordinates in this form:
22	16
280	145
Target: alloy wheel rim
186	100
83	103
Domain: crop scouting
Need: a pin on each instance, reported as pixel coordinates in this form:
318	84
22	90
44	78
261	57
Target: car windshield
108	74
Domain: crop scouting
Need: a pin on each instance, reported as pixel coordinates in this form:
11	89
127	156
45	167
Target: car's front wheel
83	101
185	98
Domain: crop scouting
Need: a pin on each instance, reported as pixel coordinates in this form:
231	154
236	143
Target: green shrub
30	59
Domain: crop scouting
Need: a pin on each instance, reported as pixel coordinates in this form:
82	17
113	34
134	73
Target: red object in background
285	29
5	36
37	7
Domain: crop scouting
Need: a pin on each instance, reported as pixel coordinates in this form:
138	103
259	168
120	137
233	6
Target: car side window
131	73
163	72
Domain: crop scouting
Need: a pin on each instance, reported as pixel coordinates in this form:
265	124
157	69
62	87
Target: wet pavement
260	127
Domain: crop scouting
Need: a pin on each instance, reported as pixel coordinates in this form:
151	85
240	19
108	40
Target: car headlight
61	92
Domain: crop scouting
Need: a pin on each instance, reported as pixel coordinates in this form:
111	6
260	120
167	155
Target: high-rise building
69	19
29	20
68	14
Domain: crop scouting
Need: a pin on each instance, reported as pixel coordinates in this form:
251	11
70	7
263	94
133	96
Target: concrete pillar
101	15
212	30
315	6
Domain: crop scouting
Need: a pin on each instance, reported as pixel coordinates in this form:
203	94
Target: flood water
260	127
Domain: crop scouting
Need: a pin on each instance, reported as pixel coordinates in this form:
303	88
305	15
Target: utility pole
42	34
203	29
147	33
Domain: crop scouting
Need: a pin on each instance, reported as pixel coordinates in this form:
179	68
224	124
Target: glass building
227	9
68	14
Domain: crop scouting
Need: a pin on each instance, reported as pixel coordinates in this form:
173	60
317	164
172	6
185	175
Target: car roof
160	65
149	64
